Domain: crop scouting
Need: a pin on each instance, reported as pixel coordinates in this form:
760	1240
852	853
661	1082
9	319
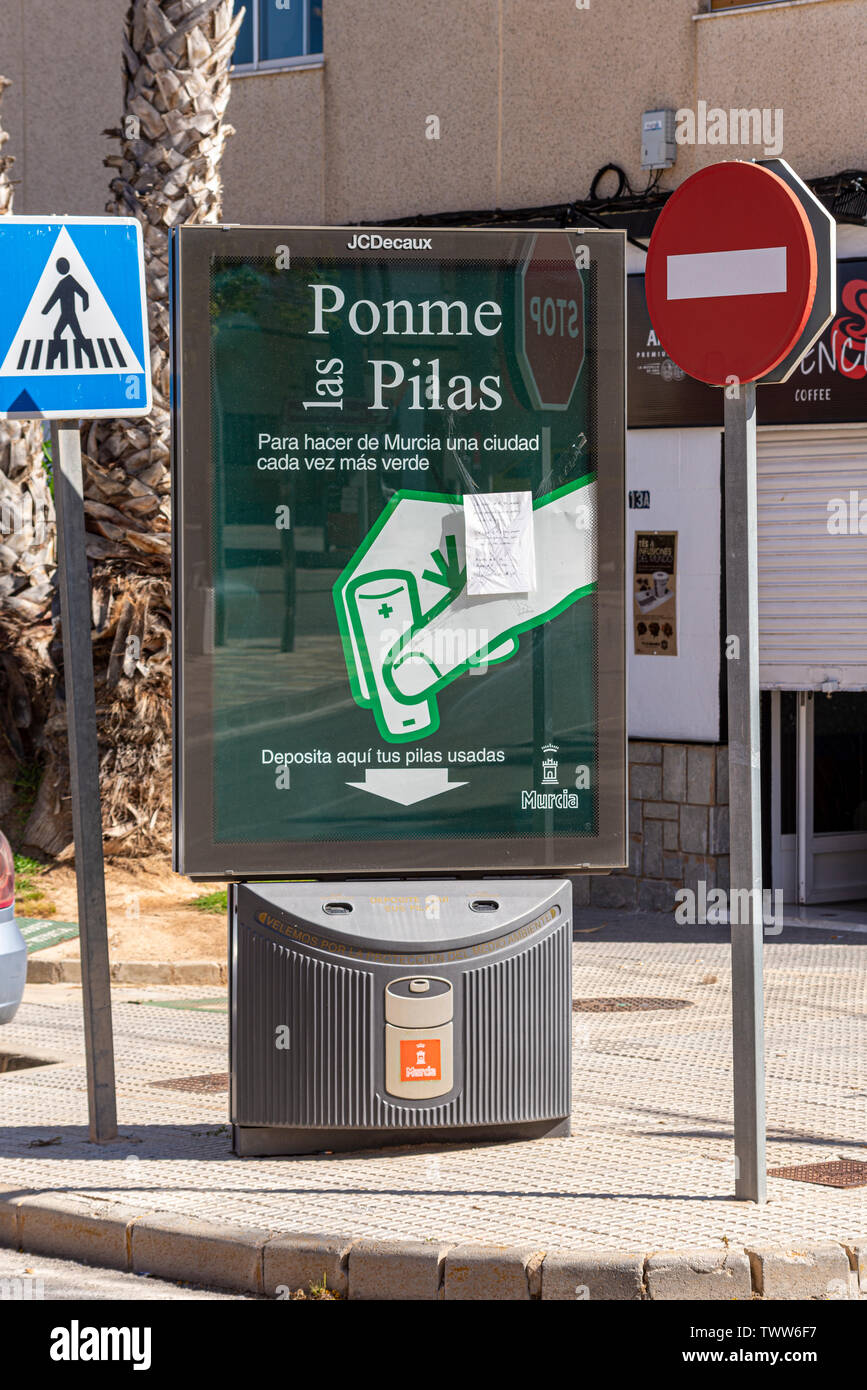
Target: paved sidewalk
648	1166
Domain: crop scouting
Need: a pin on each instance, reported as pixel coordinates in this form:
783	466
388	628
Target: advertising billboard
399	551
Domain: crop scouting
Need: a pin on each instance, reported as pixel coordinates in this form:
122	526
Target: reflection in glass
286	682
840	763
281	29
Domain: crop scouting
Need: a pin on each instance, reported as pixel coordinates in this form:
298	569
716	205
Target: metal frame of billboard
196	851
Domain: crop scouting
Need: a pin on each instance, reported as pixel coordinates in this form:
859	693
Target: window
278	34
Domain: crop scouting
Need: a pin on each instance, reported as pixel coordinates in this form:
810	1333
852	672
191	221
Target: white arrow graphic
406	784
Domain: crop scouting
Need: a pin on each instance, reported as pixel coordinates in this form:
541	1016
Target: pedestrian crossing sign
73	318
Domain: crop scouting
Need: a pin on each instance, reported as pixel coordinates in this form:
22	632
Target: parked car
13	948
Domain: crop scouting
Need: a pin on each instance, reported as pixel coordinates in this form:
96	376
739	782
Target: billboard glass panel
399	634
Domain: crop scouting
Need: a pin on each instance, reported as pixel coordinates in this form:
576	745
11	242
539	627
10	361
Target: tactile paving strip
212	1083
609	1005
649	1163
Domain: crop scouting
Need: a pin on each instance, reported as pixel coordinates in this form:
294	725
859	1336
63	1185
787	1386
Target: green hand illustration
449	571
409	627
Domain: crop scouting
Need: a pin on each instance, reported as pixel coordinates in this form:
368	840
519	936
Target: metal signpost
399	660
732	275
74	344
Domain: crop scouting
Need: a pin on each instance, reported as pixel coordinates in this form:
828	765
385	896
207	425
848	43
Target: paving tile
653	849
644	752
645	782
674	772
693	829
701	774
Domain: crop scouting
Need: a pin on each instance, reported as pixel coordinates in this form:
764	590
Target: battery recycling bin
365	1014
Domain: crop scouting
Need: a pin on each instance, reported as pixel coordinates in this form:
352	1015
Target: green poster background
281	686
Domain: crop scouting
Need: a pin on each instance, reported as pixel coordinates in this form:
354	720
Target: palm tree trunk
176	59
27	555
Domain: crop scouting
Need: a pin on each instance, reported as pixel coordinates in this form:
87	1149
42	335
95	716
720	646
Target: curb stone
798	1272
396	1269
51	1225
698	1274
9	1199
201	1252
247	1260
296	1262
857	1252
592	1274
485	1272
130	972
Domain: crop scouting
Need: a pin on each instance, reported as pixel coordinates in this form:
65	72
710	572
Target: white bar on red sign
719	274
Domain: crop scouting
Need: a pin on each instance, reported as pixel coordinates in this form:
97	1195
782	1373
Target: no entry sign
551	322
733	269
731	273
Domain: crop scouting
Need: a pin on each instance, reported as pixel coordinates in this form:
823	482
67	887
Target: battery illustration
381	609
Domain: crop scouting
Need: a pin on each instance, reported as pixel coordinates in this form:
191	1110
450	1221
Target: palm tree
176	59
27	538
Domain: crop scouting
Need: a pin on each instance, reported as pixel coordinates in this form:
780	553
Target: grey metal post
75	606
742	607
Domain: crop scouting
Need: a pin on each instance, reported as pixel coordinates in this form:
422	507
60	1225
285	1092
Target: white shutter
812	583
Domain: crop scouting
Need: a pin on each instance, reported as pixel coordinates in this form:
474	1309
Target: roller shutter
812	581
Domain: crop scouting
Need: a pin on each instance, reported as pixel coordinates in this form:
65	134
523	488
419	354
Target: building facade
368	110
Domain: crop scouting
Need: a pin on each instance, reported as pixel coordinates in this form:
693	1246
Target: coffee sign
828	387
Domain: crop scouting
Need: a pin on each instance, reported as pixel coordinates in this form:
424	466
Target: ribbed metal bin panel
517	1060
512	1040
327	1075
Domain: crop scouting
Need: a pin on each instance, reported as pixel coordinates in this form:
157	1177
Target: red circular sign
551	323
731	273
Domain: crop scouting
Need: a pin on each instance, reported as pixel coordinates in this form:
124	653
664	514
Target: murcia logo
372	241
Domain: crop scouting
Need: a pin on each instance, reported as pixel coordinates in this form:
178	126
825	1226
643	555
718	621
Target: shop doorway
819	795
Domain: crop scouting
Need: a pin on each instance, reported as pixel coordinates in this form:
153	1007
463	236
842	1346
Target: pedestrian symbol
73	326
64	295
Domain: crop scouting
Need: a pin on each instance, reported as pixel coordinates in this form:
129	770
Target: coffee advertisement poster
655	593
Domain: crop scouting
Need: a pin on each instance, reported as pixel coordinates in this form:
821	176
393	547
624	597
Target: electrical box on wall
658	146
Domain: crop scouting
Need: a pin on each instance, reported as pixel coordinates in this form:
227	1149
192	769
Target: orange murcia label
420	1059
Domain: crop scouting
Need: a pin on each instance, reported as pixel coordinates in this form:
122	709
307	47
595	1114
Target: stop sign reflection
550	323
